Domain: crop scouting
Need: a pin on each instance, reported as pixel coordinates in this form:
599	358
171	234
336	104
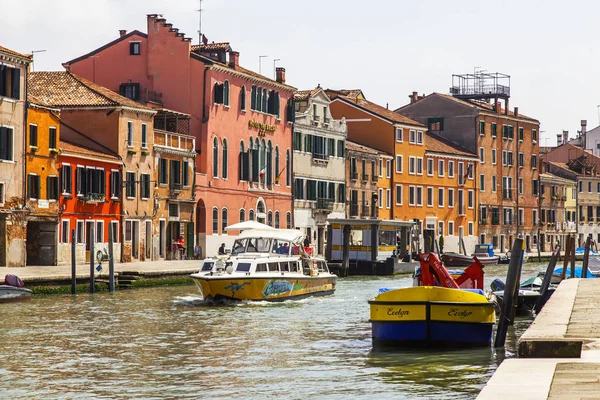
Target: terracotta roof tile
306	94
381	111
14	53
439	144
78	150
211	47
65	89
352	93
352	146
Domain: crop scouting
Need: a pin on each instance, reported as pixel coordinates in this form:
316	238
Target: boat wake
189	301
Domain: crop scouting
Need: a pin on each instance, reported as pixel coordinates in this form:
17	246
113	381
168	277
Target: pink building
242	121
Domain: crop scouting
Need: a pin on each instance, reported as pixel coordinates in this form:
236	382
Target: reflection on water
164	343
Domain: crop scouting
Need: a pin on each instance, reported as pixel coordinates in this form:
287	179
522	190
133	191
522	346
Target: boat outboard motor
496	285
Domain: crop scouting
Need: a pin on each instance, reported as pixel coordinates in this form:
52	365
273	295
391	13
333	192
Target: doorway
148	240
135	239
162	237
429	238
41	243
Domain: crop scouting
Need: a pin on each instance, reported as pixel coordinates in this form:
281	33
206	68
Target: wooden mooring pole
547	279
573	246
346	249
111	263
512	284
92	280
586	256
73	265
568	245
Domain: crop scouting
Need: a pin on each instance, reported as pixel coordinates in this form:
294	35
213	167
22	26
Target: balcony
365	211
354	176
93	198
324	204
152	96
322	159
353	210
174	141
326	120
365	178
175	188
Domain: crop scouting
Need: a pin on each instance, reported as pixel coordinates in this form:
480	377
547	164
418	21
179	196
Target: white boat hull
13	293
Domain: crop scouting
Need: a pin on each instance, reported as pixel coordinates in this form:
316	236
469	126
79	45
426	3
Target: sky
387	48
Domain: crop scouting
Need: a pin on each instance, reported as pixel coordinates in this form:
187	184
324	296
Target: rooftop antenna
41	51
199	21
598	107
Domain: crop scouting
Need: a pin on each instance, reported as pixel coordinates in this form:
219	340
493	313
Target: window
288	174
373	171
419	195
430	167
533	161
521	160
276	219
450	198
224	162
412	136
175	174
521	217
388	168
340	148
388	198
450	169
494	156
411	195
399	195
115	184
51	188
299	189
129	184
66	176
470	199
226	93
185	173
520	185
412	165
440	167
534	187
6	138
590	187
482	128
441	228
398	163
331	147
162	171
380	197
494	130
14	75
380	168
174	211
482	183
215	158
33	135
215	221
224	219
33	186
144	136
145	186
288	220
450	228
440	197
435	124
419	137
65	233
130	90
521	134
135	48
243	98
429	197
419	165
399	135
482	155
99	231
80	233
253	97
534	216
129	134
52	137
470	228
534	136
494	184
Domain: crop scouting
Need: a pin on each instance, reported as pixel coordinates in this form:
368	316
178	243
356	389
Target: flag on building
261	174
278	177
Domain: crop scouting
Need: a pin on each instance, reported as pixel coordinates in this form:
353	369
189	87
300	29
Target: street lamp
274	70
259	63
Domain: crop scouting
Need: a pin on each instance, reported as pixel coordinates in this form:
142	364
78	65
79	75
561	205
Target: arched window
288	220
251	215
215	222
269	163
253	98
277	106
264	100
217	94
224	220
243	98
277	166
260	212
288	176
276	219
215	158
262	156
226	93
259	99
270	218
253	153
242	215
224	162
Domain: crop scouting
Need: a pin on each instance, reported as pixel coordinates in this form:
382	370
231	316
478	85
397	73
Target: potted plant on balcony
564	198
483	222
145	152
54	151
33	149
131	152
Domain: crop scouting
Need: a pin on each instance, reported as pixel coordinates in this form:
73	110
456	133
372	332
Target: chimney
413	97
559	139
516	112
583	126
122	32
498	107
506	106
280	74
565	136
234	59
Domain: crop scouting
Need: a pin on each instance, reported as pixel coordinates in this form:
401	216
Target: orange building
429	180
41	177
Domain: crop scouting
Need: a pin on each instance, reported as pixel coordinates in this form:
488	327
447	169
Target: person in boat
222	249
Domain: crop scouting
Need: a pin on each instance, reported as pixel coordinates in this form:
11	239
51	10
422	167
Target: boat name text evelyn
462	314
398	313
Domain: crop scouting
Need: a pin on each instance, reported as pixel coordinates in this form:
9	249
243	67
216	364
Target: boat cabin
484	248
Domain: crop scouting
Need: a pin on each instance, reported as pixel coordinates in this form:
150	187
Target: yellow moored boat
265	264
431	316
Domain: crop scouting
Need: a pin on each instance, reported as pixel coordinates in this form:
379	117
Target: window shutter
38	180
269	168
49	188
255	166
16	83
246	165
3	80
9	144
253	98
122	87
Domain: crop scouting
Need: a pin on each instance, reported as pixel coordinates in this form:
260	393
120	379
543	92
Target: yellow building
41	182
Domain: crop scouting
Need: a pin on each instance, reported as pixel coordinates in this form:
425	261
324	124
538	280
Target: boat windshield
239	246
259	245
280	247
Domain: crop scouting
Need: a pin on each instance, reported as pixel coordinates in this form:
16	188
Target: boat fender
229	269
13	280
497	285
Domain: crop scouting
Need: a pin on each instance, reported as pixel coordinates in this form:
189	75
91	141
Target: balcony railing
324	204
365	178
93	198
175	188
174	140
353	210
354	175
364	211
153	96
320	158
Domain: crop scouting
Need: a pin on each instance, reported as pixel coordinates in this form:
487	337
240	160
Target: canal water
163	343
